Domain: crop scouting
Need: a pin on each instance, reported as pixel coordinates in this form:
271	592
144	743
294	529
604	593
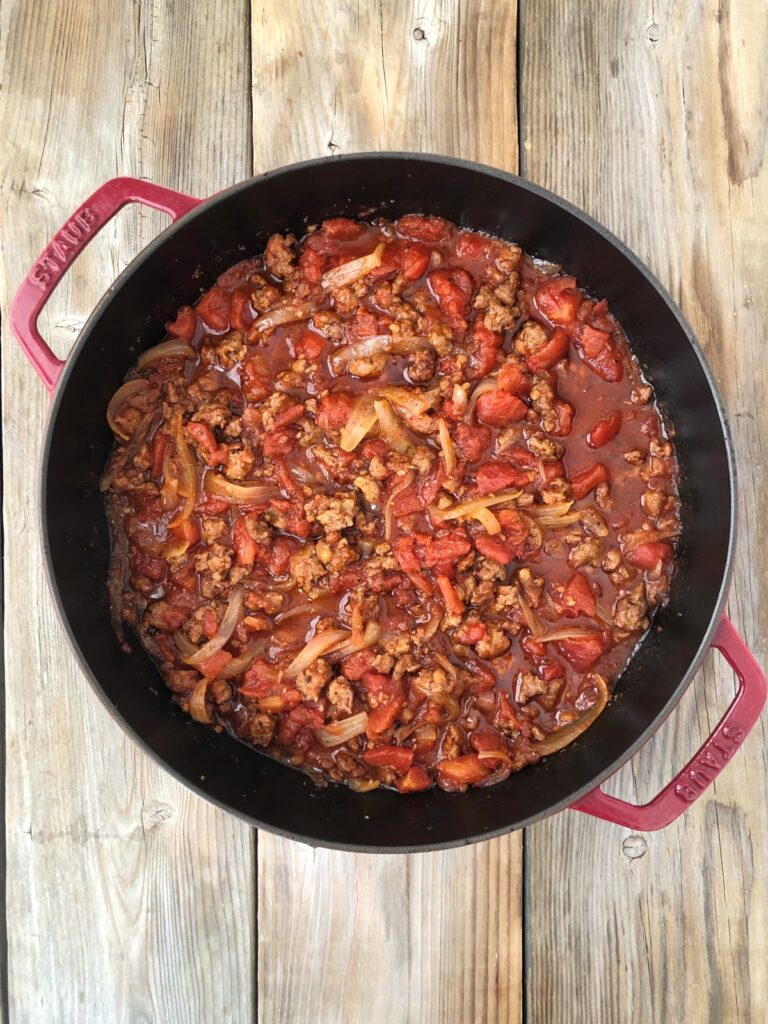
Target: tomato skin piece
551	353
415	261
213	309
214	454
399	759
646	556
453	603
559	300
583	652
588	478
498	550
185	324
473	442
309	346
424	229
246	547
605	429
157	454
497	408
495	475
456	773
384	717
211	667
415	780
333	411
404	550
578	598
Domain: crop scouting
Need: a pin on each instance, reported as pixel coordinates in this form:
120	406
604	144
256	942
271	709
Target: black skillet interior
175	269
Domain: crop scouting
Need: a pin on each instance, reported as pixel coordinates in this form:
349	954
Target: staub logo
67	242
710	762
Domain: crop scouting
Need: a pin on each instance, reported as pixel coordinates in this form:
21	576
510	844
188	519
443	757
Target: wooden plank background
128	899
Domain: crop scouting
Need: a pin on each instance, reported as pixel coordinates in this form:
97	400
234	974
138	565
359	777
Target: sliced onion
197	706
187	484
485	386
239	494
340	732
630	541
562	737
279	316
449	667
446	445
371	635
459	399
395	344
242	661
410	401
529	617
363	785
449	705
500	773
389	505
433	623
392	429
488	521
566	633
173	348
353	270
495	755
122	397
553	516
225	630
184	645
361	419
316	648
472	507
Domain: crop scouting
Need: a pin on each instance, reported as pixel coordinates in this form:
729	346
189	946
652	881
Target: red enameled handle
66	245
704	767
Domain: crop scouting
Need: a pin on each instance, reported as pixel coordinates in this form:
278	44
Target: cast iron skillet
210	235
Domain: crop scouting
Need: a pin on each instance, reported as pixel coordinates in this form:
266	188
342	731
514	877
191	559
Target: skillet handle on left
66	245
728	735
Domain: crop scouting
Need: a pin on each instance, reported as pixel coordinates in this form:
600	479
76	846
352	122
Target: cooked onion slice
529	617
238	494
184	645
352	271
553	516
410	401
562	737
187	482
197	707
279	316
316	648
122	397
388	507
173	348
371	635
488	521
566	633
459	399
395	344
225	630
472	507
361	419
340	732
483	388
392	430
242	661
446	446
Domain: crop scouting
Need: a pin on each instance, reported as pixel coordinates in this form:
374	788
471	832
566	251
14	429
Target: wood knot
634	847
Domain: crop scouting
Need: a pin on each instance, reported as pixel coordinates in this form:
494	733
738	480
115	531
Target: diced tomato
497	408
213	453
600	354
472	246
406	503
415	261
441	553
309	346
554	350
212	506
564	413
484	346
187	531
588	478
355	666
262	683
507	716
174	618
384	717
534	648
578	598
495	475
240	312
559	300
424	229
213	309
312	265
605	429
298	718
550	669
157	454
592	342
404	550
473	442
288	484
456	773
583	652
514	379
146	565
279	443
210	623
254	381
399	759
453	603
648	555
415	780
333	410
280	555
211	667
374	449
483	678
515	528
494	548
453	290
289	415
342	229
246	547
471	633
290	515
185	324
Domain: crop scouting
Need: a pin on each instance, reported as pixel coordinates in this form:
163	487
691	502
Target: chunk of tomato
550	353
185	324
415	780
473	442
605	429
399	759
588	478
559	300
495	475
213	309
497	408
424	229
456	773
578	598
583	652
648	555
415	261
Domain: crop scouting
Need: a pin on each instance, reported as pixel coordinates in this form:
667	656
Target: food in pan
393	503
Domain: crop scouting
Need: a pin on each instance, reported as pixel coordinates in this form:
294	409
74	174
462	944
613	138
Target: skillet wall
131	317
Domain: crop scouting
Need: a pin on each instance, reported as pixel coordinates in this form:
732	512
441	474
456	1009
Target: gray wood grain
653	117
128	898
433	937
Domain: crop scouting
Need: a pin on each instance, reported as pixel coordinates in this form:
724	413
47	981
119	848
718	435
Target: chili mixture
392	502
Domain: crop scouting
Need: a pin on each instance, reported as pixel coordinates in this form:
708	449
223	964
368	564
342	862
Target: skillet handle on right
709	761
